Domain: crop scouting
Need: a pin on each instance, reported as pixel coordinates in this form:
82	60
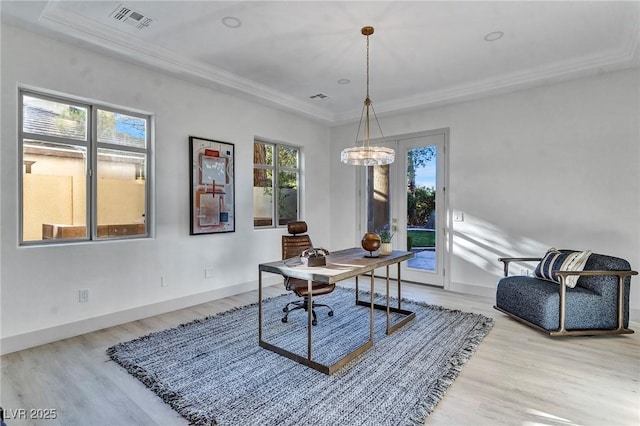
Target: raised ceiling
423	53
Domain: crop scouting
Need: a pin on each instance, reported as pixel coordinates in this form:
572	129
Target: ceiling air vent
132	17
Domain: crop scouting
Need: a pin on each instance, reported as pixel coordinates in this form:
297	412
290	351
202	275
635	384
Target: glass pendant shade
368	156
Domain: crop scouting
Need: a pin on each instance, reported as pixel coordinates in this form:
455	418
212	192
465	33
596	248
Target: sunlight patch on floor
545	419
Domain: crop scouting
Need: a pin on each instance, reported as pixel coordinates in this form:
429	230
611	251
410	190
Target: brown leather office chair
292	246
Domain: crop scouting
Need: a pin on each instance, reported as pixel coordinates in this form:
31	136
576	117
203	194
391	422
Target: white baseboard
476	290
51	334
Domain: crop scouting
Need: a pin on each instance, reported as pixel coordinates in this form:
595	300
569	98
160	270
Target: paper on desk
318	270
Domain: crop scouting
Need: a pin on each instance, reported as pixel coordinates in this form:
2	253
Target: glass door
406	200
421	219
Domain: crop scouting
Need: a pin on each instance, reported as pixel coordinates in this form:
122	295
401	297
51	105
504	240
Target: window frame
92	145
276	169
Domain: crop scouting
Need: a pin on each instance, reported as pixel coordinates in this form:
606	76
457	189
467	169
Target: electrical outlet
458	216
83	295
164	282
208	272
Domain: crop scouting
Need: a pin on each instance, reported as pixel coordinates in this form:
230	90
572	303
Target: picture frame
212	186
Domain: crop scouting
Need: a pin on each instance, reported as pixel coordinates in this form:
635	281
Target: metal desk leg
310	319
371	308
326	369
399	291
408	315
388	299
259	306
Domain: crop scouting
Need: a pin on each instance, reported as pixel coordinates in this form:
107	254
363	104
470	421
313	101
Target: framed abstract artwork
212	188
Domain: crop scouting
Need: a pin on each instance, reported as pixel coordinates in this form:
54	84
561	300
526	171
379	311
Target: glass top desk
341	265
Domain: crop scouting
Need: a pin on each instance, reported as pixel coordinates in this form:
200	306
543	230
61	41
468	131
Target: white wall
39	297
551	166
555	165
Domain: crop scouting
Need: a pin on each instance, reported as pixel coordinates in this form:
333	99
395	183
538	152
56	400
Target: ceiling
423	53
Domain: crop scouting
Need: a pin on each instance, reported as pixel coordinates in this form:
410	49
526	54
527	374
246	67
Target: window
85	170
276	176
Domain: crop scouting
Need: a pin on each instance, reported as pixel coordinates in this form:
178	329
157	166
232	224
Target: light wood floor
517	376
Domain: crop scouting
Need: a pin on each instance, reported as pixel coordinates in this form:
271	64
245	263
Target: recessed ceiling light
344	81
496	35
231	22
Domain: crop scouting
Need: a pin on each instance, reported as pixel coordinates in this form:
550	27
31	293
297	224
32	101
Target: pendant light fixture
367	155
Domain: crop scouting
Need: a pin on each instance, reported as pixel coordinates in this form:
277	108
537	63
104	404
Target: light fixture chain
377	122
367	67
360	125
367	102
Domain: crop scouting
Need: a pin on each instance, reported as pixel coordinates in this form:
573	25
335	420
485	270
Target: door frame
443	186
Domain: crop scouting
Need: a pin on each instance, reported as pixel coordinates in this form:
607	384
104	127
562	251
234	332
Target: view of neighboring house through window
85	172
276	176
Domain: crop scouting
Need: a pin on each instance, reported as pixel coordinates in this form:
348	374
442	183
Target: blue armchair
598	304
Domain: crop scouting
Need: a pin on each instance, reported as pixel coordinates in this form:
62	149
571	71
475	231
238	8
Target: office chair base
304	305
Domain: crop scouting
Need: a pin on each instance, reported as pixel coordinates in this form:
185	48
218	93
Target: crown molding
615	59
139	51
103	36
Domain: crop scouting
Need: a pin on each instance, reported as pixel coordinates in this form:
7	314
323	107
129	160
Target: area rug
212	370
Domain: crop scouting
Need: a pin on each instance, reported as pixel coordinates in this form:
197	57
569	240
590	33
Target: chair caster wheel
314	322
284	320
284	309
330	313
